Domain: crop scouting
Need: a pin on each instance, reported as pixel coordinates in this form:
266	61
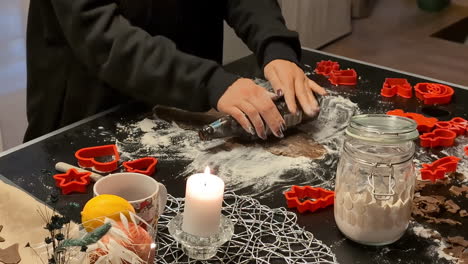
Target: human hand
288	79
244	101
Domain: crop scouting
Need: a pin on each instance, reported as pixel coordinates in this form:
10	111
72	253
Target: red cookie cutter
394	86
466	150
144	165
438	137
425	124
460	125
321	198
325	67
438	169
434	93
87	158
343	77
72	181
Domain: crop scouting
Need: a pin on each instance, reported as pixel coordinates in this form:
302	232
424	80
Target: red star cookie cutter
325	67
438	138
343	77
313	198
144	165
434	93
438	169
425	124
397	86
72	181
87	158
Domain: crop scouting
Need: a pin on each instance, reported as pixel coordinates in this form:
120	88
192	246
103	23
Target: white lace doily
262	235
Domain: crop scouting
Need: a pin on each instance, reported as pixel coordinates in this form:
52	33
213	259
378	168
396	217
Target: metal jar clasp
388	180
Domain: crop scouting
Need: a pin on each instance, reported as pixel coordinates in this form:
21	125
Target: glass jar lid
382	128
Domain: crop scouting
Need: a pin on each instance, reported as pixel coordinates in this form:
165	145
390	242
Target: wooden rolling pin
64	167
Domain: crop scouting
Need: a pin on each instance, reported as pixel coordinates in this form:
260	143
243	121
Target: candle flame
207	170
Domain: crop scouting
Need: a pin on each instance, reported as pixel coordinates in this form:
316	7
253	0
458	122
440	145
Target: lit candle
203	201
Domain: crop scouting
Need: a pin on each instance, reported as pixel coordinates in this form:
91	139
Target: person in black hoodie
85	56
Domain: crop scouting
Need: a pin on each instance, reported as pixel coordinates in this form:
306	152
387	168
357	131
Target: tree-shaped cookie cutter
308	198
145	165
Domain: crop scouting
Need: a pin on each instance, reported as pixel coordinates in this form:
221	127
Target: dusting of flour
244	167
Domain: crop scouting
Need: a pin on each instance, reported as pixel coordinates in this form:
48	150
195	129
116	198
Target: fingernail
279	92
252	131
279	134
263	135
283	127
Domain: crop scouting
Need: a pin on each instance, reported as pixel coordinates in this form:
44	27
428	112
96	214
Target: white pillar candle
203	201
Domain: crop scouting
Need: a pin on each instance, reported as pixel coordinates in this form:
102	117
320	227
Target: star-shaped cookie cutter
72	181
438	169
308	198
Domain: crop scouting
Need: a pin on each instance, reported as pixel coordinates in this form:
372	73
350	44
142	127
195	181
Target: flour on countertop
244	167
437	249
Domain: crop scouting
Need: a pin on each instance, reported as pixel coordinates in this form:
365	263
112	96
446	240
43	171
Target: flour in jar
366	220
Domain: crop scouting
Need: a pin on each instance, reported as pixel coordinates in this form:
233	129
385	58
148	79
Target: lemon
101	206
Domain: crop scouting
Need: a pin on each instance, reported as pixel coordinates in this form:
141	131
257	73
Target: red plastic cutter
394	86
87	158
317	198
438	169
144	165
466	150
438	138
343	77
425	124
72	181
434	93
325	67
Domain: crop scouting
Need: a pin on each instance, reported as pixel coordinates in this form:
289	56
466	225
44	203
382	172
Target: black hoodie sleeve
127	58
260	24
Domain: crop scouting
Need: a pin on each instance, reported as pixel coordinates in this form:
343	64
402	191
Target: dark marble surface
31	167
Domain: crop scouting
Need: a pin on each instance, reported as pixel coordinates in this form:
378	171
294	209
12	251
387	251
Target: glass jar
375	179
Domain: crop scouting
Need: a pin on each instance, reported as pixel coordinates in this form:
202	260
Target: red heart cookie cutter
72	181
144	165
438	169
434	93
394	86
321	198
87	158
343	77
438	138
425	124
325	67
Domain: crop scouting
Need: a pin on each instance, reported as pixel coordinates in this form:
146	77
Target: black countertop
30	166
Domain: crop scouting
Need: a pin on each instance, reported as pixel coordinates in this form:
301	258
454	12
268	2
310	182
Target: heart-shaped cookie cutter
87	158
438	138
145	165
438	169
308	198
